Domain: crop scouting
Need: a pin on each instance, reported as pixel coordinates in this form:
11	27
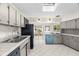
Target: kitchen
39	29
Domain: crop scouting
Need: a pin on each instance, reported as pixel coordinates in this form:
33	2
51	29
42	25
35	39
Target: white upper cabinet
68	24
63	25
77	23
4	13
12	15
73	24
22	21
18	18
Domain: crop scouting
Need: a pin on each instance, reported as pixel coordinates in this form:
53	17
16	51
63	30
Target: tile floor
41	49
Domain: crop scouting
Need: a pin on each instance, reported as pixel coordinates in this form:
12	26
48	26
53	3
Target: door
12	15
4	13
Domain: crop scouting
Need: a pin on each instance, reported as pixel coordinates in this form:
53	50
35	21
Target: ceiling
35	9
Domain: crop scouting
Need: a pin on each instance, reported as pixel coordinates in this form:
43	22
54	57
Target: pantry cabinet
4	13
12	15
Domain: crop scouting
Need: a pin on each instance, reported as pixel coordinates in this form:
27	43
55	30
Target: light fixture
57	15
49	19
49	7
38	19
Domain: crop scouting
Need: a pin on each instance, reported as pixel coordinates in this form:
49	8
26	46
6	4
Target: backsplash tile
7	32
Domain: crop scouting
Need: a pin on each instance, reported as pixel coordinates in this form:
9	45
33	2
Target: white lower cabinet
58	38
71	41
76	41
65	40
23	51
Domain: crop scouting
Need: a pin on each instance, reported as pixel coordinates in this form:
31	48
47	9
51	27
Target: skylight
49	7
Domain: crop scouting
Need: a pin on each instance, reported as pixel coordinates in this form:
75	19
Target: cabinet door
18	18
76	43
72	24
77	23
49	38
71	41
4	13
23	51
66	40
28	48
22	20
68	24
12	15
59	38
63	25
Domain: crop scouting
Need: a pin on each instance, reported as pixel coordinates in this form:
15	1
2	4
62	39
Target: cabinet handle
16	52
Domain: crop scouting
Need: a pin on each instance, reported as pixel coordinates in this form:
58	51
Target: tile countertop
70	35
6	48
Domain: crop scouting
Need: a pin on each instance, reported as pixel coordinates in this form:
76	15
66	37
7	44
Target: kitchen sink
14	40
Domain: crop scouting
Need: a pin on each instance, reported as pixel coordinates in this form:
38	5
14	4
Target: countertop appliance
28	30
